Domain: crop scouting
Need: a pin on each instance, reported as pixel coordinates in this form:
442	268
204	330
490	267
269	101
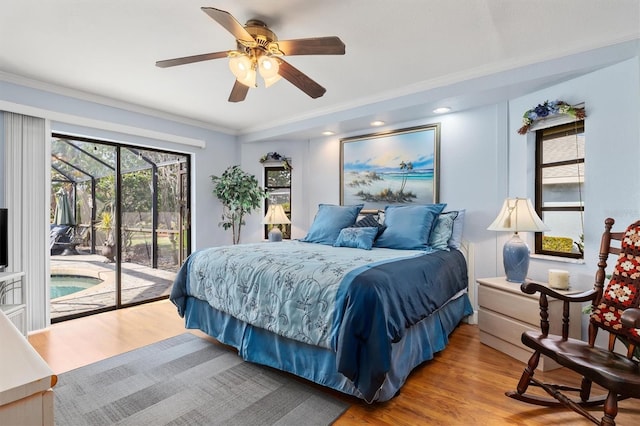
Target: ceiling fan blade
190	59
239	92
310	46
300	80
229	23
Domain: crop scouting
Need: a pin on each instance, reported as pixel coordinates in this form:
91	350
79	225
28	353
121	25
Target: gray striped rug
186	380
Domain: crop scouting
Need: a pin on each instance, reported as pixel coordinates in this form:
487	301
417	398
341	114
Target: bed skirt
318	364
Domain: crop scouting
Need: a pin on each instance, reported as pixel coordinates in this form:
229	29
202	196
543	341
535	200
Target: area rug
187	380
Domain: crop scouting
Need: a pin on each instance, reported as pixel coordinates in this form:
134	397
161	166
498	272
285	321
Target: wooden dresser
26	397
505	312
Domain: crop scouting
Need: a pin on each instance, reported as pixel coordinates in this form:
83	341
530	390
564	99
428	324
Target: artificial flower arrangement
546	109
274	156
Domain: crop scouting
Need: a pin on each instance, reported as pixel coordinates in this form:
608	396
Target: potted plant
106	225
240	194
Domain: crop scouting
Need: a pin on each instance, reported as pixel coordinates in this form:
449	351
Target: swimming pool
62	285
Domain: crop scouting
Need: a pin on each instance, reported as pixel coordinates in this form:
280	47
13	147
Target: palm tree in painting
406	167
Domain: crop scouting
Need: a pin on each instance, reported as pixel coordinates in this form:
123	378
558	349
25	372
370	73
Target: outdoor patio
139	283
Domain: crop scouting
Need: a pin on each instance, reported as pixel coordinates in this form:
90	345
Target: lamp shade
517	214
275	215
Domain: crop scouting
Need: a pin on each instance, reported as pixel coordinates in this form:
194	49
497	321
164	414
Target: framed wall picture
390	168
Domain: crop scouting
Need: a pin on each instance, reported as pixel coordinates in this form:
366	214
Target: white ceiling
403	57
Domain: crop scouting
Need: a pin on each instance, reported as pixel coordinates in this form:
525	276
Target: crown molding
111	102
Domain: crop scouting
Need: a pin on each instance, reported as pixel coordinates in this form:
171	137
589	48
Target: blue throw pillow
455	241
329	221
361	238
408	227
370	221
442	231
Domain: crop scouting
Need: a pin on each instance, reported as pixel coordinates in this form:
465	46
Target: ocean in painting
371	188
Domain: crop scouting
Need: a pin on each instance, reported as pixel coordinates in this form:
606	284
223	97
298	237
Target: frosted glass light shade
240	66
268	68
271	80
243	69
249	79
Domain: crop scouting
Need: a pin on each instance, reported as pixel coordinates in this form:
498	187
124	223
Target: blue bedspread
352	301
382	302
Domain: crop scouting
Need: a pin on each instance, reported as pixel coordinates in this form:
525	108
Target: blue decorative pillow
370	221
408	227
442	231
361	238
455	241
328	222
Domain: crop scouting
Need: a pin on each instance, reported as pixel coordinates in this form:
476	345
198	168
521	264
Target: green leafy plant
240	194
106	225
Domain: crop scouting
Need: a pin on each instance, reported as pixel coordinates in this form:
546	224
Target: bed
354	317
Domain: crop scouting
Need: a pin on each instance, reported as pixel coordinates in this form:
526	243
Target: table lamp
517	214
275	216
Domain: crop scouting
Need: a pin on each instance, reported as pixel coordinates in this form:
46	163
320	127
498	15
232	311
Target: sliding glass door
129	230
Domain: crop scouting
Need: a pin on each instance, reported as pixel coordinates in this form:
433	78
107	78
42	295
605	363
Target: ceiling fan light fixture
269	81
240	65
268	66
249	79
258	51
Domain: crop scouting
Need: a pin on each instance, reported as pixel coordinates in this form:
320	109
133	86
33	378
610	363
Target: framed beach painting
390	168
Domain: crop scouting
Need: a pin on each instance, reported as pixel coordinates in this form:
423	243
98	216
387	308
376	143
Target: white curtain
26	179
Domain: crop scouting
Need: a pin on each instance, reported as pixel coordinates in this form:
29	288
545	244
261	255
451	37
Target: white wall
298	153
469	175
75	116
484	159
612	138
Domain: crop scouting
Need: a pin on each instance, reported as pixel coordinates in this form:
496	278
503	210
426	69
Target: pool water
62	285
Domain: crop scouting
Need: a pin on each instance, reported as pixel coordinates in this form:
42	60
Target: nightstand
505	312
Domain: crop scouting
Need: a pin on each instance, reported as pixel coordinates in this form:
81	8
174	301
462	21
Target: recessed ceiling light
377	123
328	133
441	110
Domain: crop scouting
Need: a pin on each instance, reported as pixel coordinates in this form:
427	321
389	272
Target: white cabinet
26	397
12	299
506	312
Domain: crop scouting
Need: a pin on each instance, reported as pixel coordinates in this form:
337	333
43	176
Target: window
560	160
278	185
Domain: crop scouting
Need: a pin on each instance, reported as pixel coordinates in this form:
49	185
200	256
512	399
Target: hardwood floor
463	385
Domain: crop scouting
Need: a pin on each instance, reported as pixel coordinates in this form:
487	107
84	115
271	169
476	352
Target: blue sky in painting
384	154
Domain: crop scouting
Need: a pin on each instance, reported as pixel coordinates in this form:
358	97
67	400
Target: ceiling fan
260	52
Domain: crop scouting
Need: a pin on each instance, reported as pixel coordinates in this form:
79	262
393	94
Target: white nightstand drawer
504	335
506	329
514	305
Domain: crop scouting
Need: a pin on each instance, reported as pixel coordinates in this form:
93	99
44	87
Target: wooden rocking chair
615	310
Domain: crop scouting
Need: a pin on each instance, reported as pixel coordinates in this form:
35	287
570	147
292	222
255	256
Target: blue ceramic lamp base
515	254
275	235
